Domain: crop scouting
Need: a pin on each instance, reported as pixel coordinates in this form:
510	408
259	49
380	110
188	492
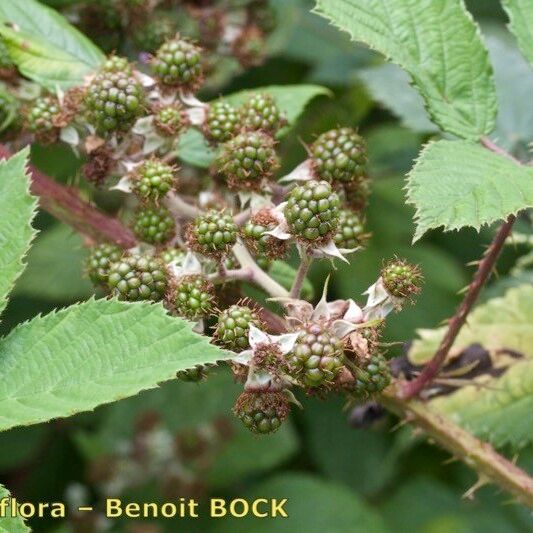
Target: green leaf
438	44
9	524
500	323
312	505
18	209
90	354
291	99
44	46
58	249
390	85
458	183
521	24
284	274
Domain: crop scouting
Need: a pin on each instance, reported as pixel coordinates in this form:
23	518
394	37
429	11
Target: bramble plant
207	266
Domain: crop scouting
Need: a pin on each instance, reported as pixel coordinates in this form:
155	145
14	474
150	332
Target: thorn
470	493
450	460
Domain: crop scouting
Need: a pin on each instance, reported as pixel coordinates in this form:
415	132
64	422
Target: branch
475	453
65	204
299	279
484	270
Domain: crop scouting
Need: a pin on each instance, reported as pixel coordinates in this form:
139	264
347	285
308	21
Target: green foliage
86	353
17	208
458	183
438	44
521	24
10	524
45	47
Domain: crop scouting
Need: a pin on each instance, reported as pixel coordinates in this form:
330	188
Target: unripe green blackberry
117	64
350	231
114	100
99	261
356	193
254	232
170	120
339	155
193	375
312	211
401	279
40	119
317	356
222	122
247	159
171	255
212	234
233	327
260	112
178	63
154	225
158	28
136	277
262	412
373	375
153	179
193	297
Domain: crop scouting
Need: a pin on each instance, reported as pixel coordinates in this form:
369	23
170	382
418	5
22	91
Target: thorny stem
479	455
484	270
66	205
299	279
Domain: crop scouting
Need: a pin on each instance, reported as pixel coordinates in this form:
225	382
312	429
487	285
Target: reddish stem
482	274
65	204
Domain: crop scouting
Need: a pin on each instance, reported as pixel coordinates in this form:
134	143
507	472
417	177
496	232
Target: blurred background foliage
180	440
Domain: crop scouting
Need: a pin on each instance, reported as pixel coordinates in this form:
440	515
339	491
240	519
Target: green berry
262	412
247	159
158	28
261	112
193	375
99	261
178	63
222	122
153	179
255	234
317	356
136	277
312	211
117	64
233	327
114	101
350	231
356	193
40	119
170	120
213	233
339	155
193	297
154	225
401	279
373	375
172	255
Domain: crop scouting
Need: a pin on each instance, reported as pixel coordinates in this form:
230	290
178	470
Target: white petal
145	80
257	201
256	337
244	198
330	250
279	232
258	380
190	100
244	358
321	311
341	328
191	264
152	142
144	125
376	293
303	172
354	313
123	185
199	326
286	341
196	115
70	135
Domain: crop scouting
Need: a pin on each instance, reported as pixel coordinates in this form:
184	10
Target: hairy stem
484	270
479	455
299	279
65	204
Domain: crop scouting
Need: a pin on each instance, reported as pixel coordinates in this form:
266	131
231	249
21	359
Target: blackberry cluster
255	234
171	255
261	112
317	356
114	101
222	122
170	120
212	234
99	262
373	376
117	64
262	412
401	279
350	231
193	297
153	179
233	327
339	156
154	225
356	193
136	277
40	119
312	211
178	63
247	159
